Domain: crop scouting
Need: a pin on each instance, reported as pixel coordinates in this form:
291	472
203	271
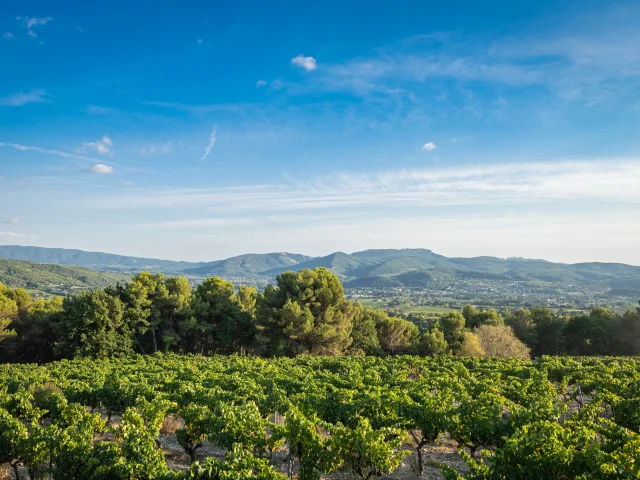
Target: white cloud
498	184
196	223
8	35
261	83
20	99
12	234
212	142
98	110
33	21
101	146
164	148
13	220
33	34
59	153
101	168
430	146
308	63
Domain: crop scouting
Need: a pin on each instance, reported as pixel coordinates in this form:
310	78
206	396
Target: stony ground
443	451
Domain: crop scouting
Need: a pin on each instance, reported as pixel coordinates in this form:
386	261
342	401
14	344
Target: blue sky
201	130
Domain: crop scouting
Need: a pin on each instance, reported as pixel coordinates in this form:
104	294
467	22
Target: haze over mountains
369	269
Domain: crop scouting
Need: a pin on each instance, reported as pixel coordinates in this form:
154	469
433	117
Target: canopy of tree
303	313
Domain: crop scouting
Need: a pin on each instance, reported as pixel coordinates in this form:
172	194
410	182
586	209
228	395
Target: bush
501	342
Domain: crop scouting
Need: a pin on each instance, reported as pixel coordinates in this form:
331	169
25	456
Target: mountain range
371	269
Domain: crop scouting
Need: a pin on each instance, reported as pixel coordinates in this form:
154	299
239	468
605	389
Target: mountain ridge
374	268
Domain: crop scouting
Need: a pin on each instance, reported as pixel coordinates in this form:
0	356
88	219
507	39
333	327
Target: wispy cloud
59	153
98	110
101	168
195	223
308	63
500	184
430	146
594	58
13	220
212	143
12	234
8	35
261	83
102	146
164	148
20	99
30	22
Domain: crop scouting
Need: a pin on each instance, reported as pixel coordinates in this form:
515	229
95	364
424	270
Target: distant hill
340	263
416	269
54	279
249	264
92	260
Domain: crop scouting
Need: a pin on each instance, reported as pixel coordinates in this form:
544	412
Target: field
405	308
175	417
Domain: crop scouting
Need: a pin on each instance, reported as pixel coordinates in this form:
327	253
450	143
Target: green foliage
521	321
364	333
475	318
93	325
346	415
433	343
453	327
238	465
224	321
305	313
397	335
368	452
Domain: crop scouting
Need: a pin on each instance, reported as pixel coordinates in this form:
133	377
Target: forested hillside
302	313
487	280
54	279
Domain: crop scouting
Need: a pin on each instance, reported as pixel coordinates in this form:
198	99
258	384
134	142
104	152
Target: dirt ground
442	451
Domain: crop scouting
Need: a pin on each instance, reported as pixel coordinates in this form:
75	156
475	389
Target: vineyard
320	417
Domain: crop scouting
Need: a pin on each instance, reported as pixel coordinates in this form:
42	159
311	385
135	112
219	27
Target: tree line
303	313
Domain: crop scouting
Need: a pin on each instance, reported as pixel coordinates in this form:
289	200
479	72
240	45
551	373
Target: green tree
474	317
397	335
625	334
364	333
589	334
93	325
305	312
8	313
155	307
35	334
453	327
247	299
218	315
433	343
549	331
521	321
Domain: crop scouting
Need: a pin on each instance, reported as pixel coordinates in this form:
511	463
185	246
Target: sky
201	130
